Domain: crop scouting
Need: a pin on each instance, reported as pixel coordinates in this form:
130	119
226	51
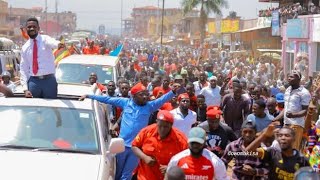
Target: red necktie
35	58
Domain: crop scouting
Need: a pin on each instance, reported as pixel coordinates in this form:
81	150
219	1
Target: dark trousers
43	88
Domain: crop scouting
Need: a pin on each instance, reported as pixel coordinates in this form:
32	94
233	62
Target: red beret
213	112
156	91
165	115
137	88
183	96
213	107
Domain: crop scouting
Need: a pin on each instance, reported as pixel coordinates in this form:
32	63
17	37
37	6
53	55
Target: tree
232	15
206	7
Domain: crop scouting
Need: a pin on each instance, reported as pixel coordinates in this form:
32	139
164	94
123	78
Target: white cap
213	78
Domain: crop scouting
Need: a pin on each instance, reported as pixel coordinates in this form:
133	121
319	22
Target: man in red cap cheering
135	116
153	145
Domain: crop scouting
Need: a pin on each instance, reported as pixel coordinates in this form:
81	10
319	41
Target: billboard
212	27
275	23
297	28
229	25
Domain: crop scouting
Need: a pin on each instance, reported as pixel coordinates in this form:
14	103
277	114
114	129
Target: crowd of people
185	117
231	112
291	11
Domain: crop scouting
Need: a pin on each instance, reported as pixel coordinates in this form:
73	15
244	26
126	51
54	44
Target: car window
47	127
79	73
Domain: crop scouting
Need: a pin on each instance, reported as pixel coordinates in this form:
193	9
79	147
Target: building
147	21
52	24
5	29
128	27
300	38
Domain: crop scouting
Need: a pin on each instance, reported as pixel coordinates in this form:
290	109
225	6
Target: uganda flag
61	53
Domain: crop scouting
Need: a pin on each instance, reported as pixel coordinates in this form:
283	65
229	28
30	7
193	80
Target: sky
92	13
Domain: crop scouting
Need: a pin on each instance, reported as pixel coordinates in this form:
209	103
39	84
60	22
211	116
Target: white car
61	138
76	69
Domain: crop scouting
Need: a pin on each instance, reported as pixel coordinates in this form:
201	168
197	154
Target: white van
75	69
55	139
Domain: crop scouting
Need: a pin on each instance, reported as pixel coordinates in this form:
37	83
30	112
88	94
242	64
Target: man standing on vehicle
37	63
135	116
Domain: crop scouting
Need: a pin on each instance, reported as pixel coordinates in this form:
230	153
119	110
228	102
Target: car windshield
79	73
49	127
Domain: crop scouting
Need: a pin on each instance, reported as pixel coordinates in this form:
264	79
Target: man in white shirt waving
212	92
37	63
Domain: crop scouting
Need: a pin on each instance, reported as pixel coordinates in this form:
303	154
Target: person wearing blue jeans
135	116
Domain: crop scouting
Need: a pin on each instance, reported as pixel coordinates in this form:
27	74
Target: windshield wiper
63	150
15	146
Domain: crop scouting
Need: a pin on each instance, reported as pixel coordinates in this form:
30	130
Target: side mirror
116	146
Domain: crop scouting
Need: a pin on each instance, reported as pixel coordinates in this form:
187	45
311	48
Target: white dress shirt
212	95
183	123
45	44
293	102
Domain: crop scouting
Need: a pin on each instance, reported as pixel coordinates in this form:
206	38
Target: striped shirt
236	151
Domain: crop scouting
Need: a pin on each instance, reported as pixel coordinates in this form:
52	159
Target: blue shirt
261	123
134	117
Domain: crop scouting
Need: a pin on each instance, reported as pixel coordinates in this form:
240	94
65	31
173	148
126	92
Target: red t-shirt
148	140
208	166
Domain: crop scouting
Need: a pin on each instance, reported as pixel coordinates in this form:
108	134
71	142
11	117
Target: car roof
75	89
68	95
39	102
90	60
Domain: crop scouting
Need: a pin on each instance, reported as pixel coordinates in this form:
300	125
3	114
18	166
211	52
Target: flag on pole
116	51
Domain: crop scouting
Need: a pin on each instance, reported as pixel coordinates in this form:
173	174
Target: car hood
17	165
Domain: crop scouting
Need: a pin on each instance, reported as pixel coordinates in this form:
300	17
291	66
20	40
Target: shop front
301	45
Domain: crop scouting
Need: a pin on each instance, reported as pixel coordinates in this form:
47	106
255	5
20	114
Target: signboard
226	39
316	30
264	22
275	23
229	25
297	28
212	27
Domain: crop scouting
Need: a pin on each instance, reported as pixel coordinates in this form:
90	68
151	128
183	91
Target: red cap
156	91
214	112
137	88
165	115
183	96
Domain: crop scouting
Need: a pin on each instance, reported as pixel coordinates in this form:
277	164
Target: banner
212	27
316	30
297	28
275	23
229	25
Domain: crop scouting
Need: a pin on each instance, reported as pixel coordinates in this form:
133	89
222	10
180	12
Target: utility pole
158	19
162	23
46	9
121	18
56	6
